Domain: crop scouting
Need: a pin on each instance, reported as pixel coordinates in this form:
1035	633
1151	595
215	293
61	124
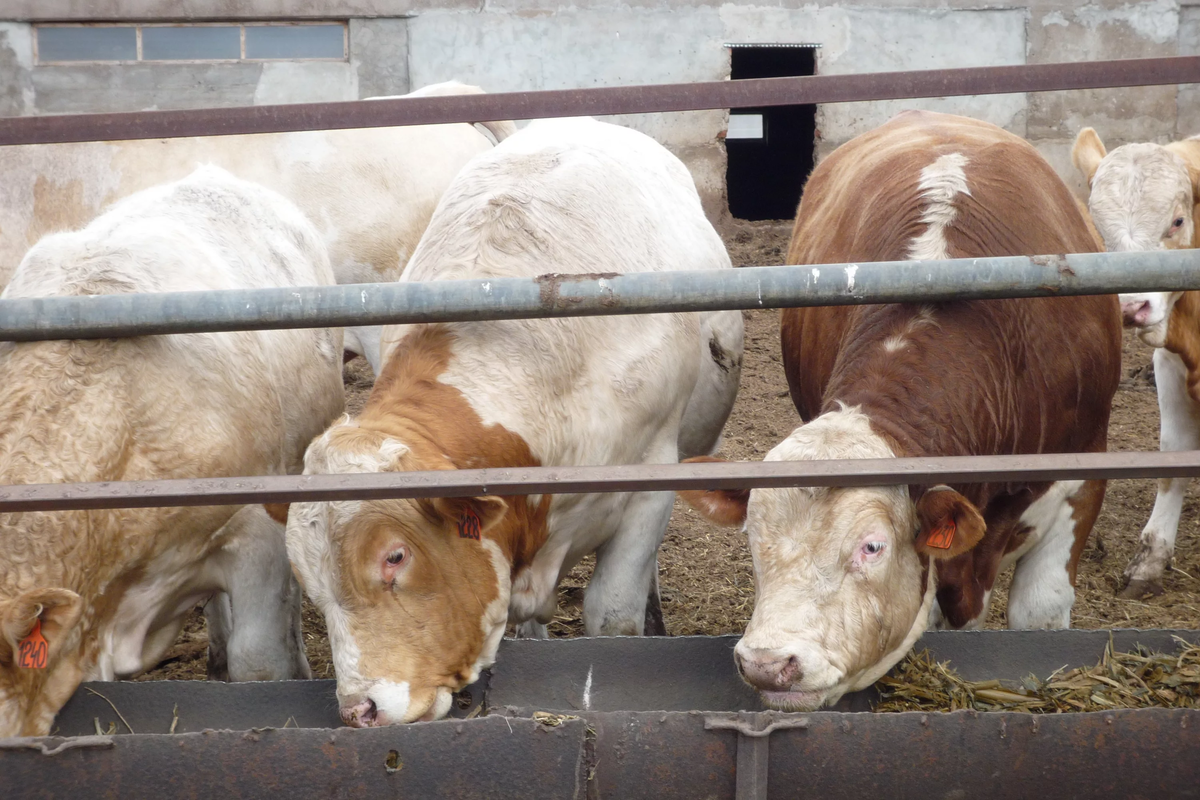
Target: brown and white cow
102	594
369	191
847	577
1143	197
416	593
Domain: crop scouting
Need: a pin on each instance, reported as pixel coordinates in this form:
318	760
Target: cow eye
871	548
1178	223
396	556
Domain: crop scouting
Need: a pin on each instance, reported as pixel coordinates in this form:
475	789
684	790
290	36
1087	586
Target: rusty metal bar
601	101
117	315
574	480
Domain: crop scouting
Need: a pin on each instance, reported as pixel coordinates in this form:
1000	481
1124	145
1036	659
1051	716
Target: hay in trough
1120	680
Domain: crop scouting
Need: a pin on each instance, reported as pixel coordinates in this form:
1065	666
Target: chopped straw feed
1121	680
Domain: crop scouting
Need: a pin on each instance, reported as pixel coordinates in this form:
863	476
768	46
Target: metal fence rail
602	101
111	316
570	480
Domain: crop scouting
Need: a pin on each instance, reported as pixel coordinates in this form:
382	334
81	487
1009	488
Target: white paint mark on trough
851	271
587	691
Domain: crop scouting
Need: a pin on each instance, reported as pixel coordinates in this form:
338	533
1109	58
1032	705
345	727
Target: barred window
165	42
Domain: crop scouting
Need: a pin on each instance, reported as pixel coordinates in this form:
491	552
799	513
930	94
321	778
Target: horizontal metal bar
117	315
601	101
574	480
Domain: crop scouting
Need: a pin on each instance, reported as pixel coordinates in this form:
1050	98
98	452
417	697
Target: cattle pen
592	717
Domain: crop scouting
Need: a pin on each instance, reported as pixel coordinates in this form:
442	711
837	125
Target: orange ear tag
33	649
468	525
942	537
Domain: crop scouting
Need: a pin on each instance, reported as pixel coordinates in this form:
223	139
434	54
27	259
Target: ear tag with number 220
33	650
468	525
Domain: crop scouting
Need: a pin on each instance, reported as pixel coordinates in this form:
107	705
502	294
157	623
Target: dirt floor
705	574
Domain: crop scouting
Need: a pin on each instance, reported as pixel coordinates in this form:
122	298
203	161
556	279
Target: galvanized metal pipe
572	480
602	101
119	315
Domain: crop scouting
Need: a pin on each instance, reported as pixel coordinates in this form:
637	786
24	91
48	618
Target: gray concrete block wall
544	44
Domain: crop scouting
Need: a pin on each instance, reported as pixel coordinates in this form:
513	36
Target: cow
416	594
369	191
847	578
101	594
1143	197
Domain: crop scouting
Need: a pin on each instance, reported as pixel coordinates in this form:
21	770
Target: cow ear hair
58	609
1087	153
472	516
722	506
948	523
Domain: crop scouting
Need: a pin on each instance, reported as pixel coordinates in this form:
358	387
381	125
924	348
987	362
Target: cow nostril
360	715
790	672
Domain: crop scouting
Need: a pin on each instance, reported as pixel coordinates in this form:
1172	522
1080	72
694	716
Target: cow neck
1183	338
443	431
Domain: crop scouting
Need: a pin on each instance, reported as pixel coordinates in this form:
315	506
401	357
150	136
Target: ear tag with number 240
32	651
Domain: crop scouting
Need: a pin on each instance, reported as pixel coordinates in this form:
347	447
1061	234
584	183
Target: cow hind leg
616	598
254	625
1179	430
1043	586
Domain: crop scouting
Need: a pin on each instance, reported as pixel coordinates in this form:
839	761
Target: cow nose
360	715
768	671
1135	312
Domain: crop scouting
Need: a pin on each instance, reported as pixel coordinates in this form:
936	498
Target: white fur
1041	595
626	390
941	182
1179	417
369	191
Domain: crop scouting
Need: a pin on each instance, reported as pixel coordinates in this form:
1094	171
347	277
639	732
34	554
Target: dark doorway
770	149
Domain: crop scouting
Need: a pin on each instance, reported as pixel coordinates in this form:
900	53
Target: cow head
842	575
39	638
414	592
1141	199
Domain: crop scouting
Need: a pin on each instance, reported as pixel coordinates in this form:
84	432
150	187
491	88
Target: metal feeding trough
619	718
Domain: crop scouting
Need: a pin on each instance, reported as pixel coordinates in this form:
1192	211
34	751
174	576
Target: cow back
871	201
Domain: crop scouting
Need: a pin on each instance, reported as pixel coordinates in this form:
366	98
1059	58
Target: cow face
414	592
1141	199
39	668
842	578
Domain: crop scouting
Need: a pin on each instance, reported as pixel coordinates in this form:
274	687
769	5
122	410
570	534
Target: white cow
108	590
369	191
416	593
1143	197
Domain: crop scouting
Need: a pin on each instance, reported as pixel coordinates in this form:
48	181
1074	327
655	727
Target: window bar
138	37
242	37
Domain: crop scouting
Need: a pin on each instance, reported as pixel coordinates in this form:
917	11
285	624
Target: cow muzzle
1136	312
767	670
364	714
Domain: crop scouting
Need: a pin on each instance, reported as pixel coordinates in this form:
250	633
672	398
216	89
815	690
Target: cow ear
57	609
949	524
471	516
722	506
278	511
1087	153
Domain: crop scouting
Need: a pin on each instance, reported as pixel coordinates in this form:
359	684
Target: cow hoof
1138	589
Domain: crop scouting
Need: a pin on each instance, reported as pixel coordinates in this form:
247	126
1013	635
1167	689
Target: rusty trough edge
574	480
601	101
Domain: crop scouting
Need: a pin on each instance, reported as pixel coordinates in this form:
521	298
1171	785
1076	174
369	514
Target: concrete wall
545	44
